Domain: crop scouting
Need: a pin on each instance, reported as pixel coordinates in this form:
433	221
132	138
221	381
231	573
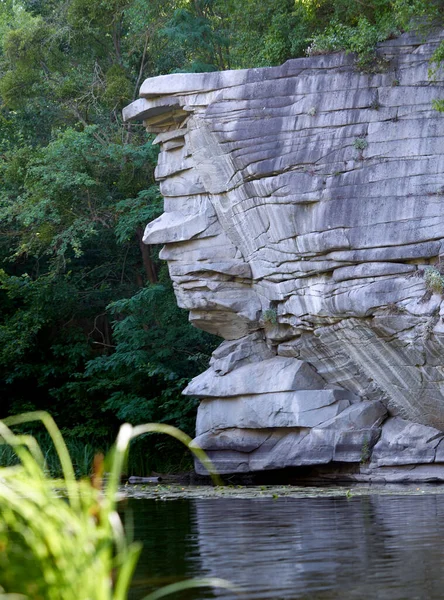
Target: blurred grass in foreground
81	454
165	457
63	539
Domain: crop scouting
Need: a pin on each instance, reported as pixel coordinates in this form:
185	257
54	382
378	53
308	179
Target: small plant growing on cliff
365	452
270	316
393	309
438	105
434	281
312	111
360	144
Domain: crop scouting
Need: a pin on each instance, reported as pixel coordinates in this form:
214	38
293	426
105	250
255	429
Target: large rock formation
304	224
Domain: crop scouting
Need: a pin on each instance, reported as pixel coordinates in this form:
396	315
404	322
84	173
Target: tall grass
143	458
81	453
63	539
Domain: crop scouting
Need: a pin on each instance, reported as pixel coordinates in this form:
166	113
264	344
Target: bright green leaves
118	89
136	212
358	27
196	29
66	193
360	38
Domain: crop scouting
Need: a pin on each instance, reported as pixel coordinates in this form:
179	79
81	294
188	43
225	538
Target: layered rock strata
304	224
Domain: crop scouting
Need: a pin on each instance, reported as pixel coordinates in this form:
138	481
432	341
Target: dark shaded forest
89	328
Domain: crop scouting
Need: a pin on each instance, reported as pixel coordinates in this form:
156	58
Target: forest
89	328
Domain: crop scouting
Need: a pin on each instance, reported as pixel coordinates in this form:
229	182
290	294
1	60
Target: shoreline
275	492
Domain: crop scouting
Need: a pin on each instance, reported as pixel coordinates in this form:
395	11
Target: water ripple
383	547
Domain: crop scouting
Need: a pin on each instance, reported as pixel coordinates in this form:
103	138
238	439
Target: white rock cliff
304	224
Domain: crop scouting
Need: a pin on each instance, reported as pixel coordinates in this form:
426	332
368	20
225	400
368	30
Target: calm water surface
378	547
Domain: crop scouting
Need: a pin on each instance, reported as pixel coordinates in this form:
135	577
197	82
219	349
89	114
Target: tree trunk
148	264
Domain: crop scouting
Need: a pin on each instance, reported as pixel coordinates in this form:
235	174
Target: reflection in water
383	547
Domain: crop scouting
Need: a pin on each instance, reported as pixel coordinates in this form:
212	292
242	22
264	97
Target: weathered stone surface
240	440
372	269
303	204
307	408
347	438
359	416
177	227
234	354
411	473
276	374
403	443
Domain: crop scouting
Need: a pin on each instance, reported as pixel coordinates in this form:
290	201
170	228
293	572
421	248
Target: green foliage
434	280
192	29
81	452
438	105
365	451
360	38
270	316
265	33
52	548
155	355
76	188
71	187
360	144
358	27
418	14
435	66
26	299
70	544
118	89
132	212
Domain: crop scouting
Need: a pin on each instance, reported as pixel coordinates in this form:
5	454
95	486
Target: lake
323	547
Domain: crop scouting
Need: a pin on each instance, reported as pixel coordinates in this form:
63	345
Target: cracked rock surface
304	224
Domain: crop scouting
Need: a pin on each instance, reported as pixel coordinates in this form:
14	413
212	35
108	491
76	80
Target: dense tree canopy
89	327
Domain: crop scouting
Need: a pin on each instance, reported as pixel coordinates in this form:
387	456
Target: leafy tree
197	29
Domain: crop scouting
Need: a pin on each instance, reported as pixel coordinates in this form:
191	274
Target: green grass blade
20	446
185	439
60	446
126	571
120	452
190	584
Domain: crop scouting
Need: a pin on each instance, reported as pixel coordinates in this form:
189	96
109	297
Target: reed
63	539
81	454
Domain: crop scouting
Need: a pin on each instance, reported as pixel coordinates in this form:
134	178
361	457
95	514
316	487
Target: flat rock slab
277	374
247	445
406	443
305	408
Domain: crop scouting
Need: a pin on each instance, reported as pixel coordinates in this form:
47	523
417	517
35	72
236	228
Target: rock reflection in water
384	547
